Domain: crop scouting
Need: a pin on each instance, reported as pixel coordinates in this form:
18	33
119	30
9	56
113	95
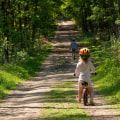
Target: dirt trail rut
25	103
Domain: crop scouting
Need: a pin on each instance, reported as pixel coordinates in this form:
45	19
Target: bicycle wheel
74	56
85	96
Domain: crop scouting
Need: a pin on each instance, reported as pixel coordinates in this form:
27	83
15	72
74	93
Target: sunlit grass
107	79
8	82
85	38
13	74
60	104
106	61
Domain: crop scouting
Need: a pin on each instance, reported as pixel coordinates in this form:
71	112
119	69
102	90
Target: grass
108	69
108	81
85	38
106	60
60	104
13	74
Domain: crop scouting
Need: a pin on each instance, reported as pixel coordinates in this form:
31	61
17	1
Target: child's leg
80	91
80	94
91	95
90	89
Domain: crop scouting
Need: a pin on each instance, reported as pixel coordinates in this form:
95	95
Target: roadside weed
13	74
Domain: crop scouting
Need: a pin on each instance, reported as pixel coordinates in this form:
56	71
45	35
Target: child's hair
84	58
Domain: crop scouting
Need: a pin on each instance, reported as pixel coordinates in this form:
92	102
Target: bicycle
73	53
85	92
73	46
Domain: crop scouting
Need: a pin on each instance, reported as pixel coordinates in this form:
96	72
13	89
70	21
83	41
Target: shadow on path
24	102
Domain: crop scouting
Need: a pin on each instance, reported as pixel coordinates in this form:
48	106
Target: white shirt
83	70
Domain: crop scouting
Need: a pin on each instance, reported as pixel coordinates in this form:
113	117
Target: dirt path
25	103
102	111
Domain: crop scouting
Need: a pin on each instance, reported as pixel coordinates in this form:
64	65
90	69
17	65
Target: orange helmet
84	51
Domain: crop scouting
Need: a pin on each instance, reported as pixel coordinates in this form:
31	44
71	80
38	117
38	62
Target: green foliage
24	25
109	83
86	38
22	22
117	22
13	74
22	56
106	57
95	16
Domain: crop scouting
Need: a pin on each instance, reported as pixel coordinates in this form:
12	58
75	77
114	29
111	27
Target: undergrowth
108	69
105	56
85	38
13	74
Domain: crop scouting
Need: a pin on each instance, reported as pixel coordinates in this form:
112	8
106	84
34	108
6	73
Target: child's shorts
73	50
89	83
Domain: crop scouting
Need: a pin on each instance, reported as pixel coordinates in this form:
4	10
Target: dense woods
24	23
100	16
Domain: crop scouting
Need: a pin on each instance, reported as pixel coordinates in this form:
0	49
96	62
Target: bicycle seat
84	83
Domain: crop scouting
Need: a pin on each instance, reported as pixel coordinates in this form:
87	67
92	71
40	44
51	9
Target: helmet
84	51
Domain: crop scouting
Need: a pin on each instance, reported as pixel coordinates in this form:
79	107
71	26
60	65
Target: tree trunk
90	21
6	55
119	6
113	12
6	31
20	28
84	22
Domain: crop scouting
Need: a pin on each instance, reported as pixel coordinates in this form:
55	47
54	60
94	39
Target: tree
94	15
23	23
113	14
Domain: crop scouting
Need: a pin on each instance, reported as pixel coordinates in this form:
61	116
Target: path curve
25	103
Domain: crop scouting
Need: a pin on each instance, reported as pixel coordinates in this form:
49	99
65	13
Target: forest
25	25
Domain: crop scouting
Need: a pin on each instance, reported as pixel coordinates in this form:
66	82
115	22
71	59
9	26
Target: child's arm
77	70
92	68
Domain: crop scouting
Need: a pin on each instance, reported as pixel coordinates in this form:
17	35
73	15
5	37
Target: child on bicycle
83	71
74	47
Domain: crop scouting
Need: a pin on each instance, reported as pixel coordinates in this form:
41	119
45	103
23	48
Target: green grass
13	74
107	63
60	104
108	69
85	38
108	81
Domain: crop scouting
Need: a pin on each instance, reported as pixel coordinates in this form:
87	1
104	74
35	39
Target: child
83	71
73	45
